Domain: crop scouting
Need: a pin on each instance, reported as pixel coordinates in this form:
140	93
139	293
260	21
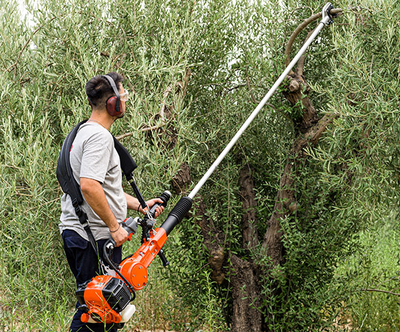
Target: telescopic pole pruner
185	203
326	20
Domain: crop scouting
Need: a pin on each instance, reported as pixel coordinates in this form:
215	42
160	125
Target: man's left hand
150	203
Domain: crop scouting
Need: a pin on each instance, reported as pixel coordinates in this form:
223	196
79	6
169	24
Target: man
96	167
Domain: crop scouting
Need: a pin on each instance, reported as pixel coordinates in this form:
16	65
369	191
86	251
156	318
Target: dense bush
195	71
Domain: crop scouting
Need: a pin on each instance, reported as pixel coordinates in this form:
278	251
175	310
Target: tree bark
309	129
250	233
246	292
243	275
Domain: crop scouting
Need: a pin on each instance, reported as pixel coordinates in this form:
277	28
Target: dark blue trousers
84	264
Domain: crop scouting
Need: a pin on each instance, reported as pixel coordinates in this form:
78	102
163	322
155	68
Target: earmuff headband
114	87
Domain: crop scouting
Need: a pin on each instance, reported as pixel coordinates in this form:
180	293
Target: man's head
101	95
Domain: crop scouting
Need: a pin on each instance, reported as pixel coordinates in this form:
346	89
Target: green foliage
372	274
352	177
44	97
235	52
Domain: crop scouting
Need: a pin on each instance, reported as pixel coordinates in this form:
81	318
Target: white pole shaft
257	110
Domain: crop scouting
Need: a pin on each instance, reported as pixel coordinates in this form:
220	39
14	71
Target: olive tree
259	249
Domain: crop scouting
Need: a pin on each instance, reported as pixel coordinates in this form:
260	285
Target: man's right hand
119	236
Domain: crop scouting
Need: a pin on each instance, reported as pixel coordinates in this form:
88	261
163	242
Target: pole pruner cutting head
327	16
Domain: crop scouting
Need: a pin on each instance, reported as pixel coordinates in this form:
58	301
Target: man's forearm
132	202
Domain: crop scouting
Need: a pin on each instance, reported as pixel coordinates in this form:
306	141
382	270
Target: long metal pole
325	20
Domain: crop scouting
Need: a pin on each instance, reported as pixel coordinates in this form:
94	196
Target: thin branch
185	81
120	137
235	87
227	90
380	291
300	64
301	28
251	92
153	128
26	44
164	103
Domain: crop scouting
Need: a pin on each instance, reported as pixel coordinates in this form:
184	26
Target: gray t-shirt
93	156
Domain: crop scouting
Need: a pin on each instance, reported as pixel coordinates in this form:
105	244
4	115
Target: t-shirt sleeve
96	156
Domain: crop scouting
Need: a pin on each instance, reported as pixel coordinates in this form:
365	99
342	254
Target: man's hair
98	89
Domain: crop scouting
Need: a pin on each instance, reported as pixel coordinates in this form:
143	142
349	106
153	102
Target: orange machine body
99	308
134	268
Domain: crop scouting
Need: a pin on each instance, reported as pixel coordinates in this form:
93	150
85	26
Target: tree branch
164	103
249	203
120	137
251	92
153	127
300	64
300	28
379	291
316	131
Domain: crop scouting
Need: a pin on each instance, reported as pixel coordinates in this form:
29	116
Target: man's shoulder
90	129
92	133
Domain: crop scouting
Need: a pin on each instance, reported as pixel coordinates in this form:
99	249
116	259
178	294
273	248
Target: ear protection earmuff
113	103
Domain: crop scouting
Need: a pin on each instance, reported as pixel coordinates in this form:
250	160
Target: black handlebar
177	214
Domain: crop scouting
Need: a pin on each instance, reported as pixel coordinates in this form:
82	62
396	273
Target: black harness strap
69	184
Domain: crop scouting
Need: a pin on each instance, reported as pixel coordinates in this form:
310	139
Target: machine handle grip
163	258
177	214
165	196
130	225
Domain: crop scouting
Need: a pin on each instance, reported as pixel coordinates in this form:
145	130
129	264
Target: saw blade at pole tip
326	18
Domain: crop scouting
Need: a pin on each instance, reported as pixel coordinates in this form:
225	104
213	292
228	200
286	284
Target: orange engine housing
104	296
